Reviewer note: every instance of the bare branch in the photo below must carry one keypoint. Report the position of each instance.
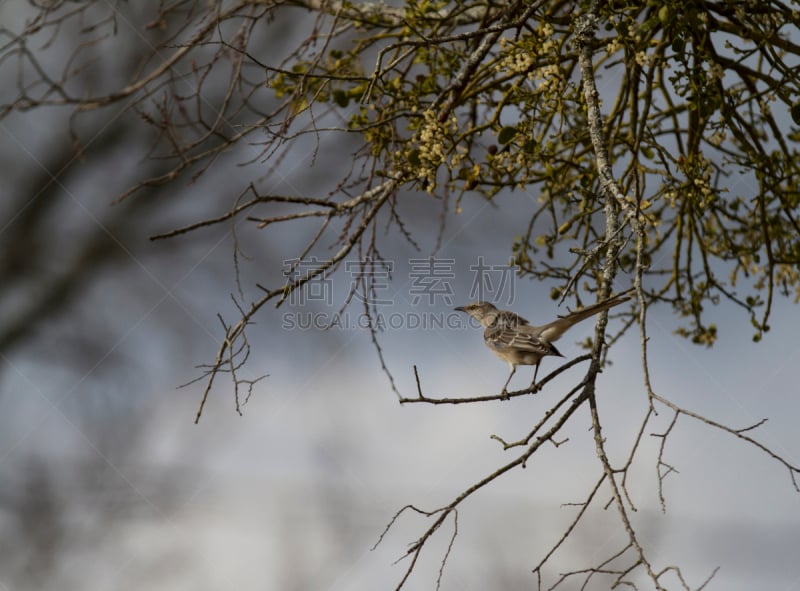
(487, 398)
(235, 334)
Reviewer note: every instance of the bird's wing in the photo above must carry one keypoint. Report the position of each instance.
(523, 339)
(507, 318)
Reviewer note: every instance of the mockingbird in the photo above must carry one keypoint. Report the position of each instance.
(516, 342)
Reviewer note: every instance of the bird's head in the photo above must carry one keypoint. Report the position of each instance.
(483, 312)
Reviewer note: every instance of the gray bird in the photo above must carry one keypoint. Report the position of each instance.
(517, 342)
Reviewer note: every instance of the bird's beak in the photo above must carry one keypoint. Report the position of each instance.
(460, 309)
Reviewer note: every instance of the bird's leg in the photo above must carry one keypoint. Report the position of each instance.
(504, 393)
(534, 388)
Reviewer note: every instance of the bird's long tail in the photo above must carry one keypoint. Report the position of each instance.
(555, 329)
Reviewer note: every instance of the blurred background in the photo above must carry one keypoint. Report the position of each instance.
(106, 482)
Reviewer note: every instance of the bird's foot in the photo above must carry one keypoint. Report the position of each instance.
(534, 387)
(504, 394)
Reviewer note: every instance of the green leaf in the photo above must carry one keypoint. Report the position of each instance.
(506, 135)
(665, 14)
(796, 113)
(340, 98)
